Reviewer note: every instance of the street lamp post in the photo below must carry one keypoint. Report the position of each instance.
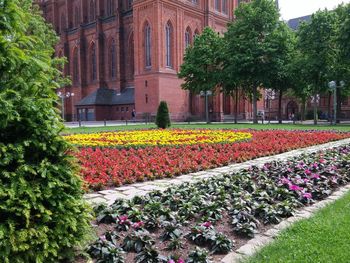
(333, 86)
(269, 95)
(206, 94)
(64, 96)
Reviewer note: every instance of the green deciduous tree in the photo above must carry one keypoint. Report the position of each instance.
(317, 44)
(42, 214)
(201, 67)
(251, 47)
(162, 118)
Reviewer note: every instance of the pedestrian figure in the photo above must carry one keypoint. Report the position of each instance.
(133, 114)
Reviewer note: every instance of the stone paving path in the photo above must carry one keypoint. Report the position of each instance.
(129, 191)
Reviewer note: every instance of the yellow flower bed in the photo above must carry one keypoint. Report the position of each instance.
(157, 137)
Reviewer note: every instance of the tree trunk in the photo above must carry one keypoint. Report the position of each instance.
(329, 106)
(338, 105)
(315, 108)
(236, 106)
(303, 107)
(280, 107)
(255, 105)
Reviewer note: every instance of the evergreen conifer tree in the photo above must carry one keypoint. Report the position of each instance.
(162, 118)
(42, 213)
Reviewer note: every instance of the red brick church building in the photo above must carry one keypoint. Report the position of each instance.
(125, 54)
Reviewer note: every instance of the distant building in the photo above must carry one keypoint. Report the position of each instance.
(124, 55)
(295, 22)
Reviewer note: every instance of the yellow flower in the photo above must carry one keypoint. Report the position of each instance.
(157, 137)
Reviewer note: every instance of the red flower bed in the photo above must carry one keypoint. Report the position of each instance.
(105, 167)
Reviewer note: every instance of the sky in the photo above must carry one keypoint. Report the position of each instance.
(297, 8)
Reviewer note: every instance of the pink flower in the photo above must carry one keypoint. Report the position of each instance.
(180, 260)
(207, 224)
(294, 187)
(289, 169)
(306, 180)
(123, 219)
(171, 261)
(307, 195)
(103, 238)
(307, 171)
(285, 180)
(138, 225)
(315, 176)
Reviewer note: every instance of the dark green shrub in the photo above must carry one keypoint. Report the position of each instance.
(162, 118)
(42, 214)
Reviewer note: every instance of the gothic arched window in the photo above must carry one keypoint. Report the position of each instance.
(148, 62)
(76, 16)
(63, 22)
(110, 7)
(168, 44)
(112, 57)
(188, 37)
(92, 11)
(93, 63)
(75, 66)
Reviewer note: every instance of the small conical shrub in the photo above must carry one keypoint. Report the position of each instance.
(163, 119)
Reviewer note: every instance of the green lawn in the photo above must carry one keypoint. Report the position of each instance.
(322, 239)
(212, 126)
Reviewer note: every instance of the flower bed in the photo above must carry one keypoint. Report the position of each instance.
(171, 137)
(106, 167)
(216, 214)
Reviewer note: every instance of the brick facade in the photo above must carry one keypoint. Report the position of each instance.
(108, 46)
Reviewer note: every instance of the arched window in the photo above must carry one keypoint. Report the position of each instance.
(75, 66)
(217, 5)
(168, 44)
(63, 22)
(112, 57)
(92, 11)
(188, 37)
(93, 63)
(76, 16)
(129, 4)
(196, 33)
(148, 62)
(110, 7)
(224, 6)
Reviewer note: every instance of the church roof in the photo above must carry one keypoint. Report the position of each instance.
(295, 22)
(104, 96)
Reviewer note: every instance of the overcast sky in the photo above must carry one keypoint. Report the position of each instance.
(297, 8)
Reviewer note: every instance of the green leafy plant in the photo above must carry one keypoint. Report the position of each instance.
(175, 243)
(198, 256)
(171, 231)
(148, 255)
(221, 244)
(43, 215)
(106, 251)
(162, 118)
(137, 241)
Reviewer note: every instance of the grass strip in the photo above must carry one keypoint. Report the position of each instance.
(324, 238)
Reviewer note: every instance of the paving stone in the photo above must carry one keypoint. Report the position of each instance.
(113, 197)
(97, 201)
(132, 192)
(232, 258)
(260, 240)
(124, 188)
(89, 196)
(271, 232)
(293, 219)
(107, 192)
(150, 187)
(247, 250)
(283, 225)
(304, 214)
